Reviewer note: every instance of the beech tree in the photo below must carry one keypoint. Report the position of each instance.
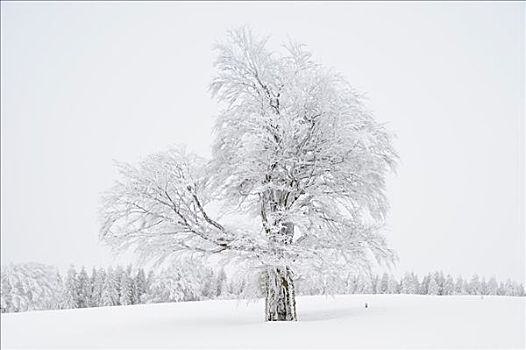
(295, 149)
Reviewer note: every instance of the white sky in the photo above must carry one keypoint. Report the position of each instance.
(85, 83)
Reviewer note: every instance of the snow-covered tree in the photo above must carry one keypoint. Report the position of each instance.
(384, 285)
(83, 291)
(519, 289)
(208, 287)
(393, 286)
(433, 288)
(374, 284)
(220, 282)
(149, 279)
(117, 275)
(295, 149)
(492, 286)
(71, 286)
(99, 278)
(367, 286)
(406, 284)
(449, 286)
(92, 278)
(126, 289)
(110, 293)
(21, 298)
(29, 286)
(460, 286)
(483, 286)
(474, 285)
(425, 284)
(6, 303)
(378, 286)
(501, 290)
(351, 284)
(508, 287)
(174, 285)
(140, 286)
(440, 279)
(60, 292)
(416, 283)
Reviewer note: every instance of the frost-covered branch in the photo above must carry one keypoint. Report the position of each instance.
(296, 146)
(158, 207)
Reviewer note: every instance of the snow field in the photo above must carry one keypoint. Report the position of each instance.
(390, 321)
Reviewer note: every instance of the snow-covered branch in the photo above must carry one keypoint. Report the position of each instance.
(158, 207)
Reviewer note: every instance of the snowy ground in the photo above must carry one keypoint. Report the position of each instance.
(399, 321)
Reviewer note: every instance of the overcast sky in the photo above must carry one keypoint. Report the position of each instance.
(86, 83)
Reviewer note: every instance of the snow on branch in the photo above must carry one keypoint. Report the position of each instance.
(159, 207)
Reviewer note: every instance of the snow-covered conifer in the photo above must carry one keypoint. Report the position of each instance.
(140, 286)
(460, 286)
(433, 288)
(384, 285)
(83, 291)
(424, 286)
(71, 286)
(99, 278)
(407, 285)
(519, 289)
(449, 286)
(416, 283)
(393, 286)
(92, 279)
(493, 286)
(117, 275)
(440, 280)
(60, 292)
(126, 289)
(483, 286)
(474, 285)
(508, 287)
(110, 294)
(6, 304)
(502, 289)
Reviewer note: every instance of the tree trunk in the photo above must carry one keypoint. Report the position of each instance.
(280, 301)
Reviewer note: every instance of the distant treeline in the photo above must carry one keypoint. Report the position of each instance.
(33, 286)
(432, 284)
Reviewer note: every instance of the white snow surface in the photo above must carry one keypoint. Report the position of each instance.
(390, 321)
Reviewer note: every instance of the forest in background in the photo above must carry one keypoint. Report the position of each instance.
(32, 286)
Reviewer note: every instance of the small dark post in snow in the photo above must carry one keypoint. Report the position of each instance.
(366, 305)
